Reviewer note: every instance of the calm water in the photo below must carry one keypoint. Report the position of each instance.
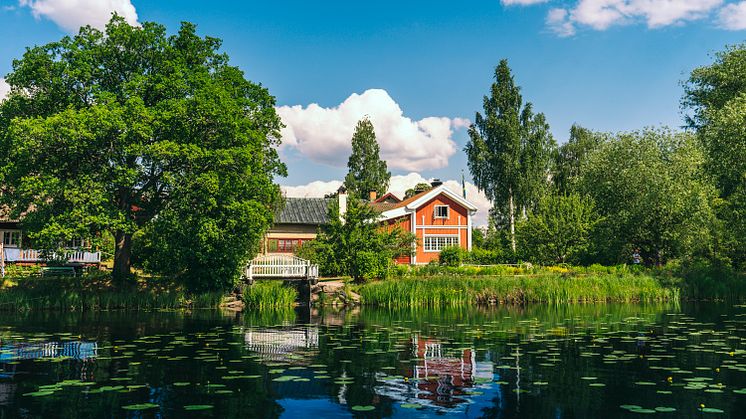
(537, 362)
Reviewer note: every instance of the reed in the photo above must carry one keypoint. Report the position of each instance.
(87, 294)
(269, 295)
(550, 289)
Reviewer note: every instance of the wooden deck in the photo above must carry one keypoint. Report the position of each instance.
(281, 266)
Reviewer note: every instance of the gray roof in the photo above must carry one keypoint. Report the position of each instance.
(304, 211)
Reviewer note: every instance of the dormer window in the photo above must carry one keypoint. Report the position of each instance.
(441, 211)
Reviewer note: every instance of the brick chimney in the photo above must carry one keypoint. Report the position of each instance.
(372, 195)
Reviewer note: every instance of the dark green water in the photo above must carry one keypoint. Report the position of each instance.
(582, 361)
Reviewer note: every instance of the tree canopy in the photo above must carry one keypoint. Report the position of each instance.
(145, 136)
(509, 148)
(366, 171)
(716, 96)
(650, 190)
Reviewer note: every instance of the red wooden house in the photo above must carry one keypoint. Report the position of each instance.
(438, 217)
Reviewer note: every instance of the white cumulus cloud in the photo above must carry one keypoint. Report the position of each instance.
(72, 14)
(559, 22)
(603, 14)
(521, 2)
(398, 186)
(324, 134)
(733, 16)
(4, 89)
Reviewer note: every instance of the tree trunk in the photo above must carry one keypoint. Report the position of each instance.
(122, 256)
(511, 208)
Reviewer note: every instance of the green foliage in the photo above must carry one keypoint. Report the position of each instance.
(510, 147)
(420, 187)
(451, 256)
(132, 131)
(366, 171)
(716, 94)
(356, 245)
(571, 155)
(558, 229)
(651, 192)
(269, 295)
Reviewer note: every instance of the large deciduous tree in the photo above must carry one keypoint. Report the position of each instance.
(134, 132)
(510, 148)
(716, 96)
(366, 171)
(653, 195)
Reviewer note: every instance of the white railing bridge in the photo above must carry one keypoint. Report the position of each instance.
(281, 266)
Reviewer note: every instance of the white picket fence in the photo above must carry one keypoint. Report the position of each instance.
(36, 256)
(279, 266)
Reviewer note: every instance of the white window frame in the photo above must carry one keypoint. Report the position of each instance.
(10, 233)
(455, 240)
(448, 212)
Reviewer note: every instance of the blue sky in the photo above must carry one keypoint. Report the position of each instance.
(420, 68)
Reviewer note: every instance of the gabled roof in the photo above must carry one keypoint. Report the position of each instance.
(389, 197)
(304, 211)
(416, 201)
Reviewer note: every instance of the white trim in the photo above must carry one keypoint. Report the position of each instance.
(468, 233)
(427, 197)
(442, 227)
(413, 223)
(432, 193)
(424, 237)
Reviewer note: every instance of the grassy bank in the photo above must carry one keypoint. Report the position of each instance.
(552, 289)
(96, 292)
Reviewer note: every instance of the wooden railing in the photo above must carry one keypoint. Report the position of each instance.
(277, 266)
(37, 256)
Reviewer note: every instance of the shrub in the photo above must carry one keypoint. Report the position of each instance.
(451, 256)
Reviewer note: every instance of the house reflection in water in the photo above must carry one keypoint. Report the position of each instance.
(439, 377)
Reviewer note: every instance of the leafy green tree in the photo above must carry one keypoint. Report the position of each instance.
(558, 229)
(355, 245)
(571, 155)
(509, 151)
(140, 134)
(420, 187)
(653, 195)
(366, 171)
(716, 96)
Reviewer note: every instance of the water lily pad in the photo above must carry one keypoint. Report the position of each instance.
(140, 406)
(198, 406)
(41, 393)
(411, 406)
(359, 408)
(665, 409)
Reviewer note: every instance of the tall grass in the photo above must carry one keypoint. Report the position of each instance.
(24, 299)
(269, 295)
(555, 289)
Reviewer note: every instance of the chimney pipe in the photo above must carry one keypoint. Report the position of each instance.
(342, 201)
(372, 195)
(435, 183)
